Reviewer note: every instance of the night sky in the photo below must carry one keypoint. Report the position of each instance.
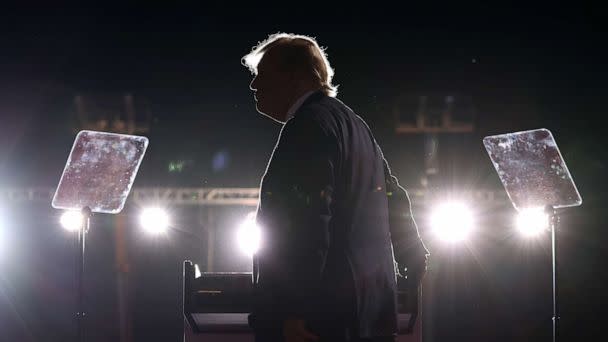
(522, 68)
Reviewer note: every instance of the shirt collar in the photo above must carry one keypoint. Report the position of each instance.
(296, 105)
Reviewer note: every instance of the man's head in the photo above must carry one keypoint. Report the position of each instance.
(285, 67)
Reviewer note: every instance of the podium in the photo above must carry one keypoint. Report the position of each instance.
(217, 305)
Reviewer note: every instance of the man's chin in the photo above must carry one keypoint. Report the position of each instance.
(270, 116)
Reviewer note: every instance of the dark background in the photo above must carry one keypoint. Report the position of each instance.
(522, 67)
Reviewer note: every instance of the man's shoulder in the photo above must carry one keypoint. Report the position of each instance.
(322, 102)
(326, 111)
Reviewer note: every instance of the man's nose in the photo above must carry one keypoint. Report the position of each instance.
(252, 85)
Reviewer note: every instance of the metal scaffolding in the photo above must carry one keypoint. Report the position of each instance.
(224, 196)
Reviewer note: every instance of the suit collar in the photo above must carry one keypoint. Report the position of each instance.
(314, 97)
(308, 98)
(299, 102)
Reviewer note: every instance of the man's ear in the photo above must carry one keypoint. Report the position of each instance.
(293, 75)
(298, 78)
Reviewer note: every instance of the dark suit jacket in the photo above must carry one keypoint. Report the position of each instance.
(326, 252)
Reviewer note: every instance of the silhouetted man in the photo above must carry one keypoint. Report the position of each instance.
(325, 270)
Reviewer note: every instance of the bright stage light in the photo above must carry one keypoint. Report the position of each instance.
(532, 221)
(154, 220)
(1, 233)
(3, 243)
(72, 220)
(248, 235)
(452, 222)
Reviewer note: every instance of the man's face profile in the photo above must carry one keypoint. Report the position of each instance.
(272, 88)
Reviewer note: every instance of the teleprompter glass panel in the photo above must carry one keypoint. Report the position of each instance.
(100, 171)
(532, 170)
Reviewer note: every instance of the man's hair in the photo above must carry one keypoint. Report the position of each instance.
(295, 52)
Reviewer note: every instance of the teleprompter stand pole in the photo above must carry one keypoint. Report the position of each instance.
(80, 314)
(553, 224)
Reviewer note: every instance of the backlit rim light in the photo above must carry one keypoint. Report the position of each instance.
(452, 221)
(154, 220)
(71, 220)
(532, 221)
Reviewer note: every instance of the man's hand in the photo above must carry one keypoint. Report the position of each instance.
(294, 330)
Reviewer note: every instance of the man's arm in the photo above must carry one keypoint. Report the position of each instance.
(410, 252)
(301, 183)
